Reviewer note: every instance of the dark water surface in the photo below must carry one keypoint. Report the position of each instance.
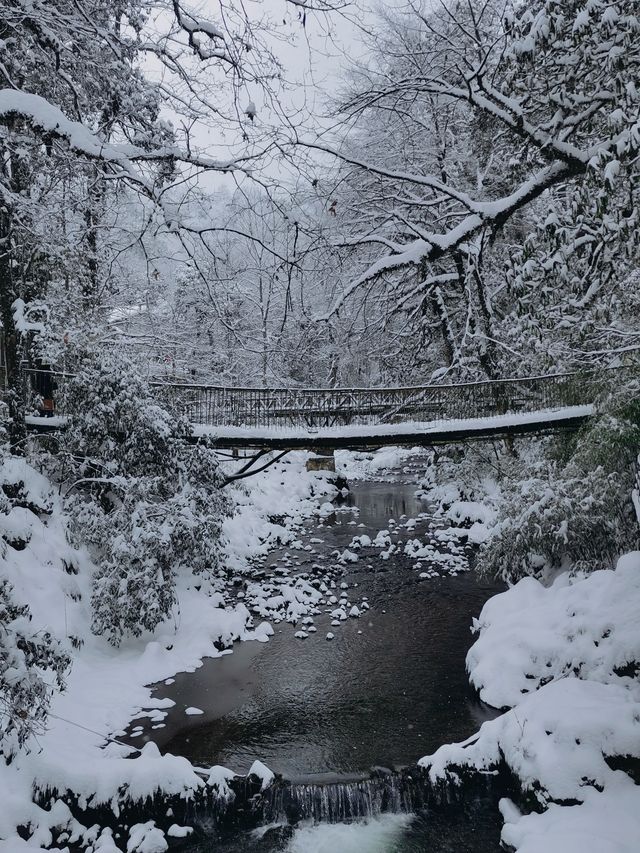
(390, 688)
(386, 696)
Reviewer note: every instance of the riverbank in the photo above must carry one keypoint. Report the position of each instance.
(564, 659)
(80, 753)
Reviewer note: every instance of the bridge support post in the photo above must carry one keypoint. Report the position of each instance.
(321, 460)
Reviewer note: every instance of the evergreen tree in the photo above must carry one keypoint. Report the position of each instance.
(147, 502)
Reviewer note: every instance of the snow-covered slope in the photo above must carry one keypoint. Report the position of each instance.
(565, 659)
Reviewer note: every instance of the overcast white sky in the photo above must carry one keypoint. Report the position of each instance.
(313, 57)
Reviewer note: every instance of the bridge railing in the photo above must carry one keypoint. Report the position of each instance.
(311, 408)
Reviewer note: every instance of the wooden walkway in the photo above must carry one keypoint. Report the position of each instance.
(411, 434)
(374, 417)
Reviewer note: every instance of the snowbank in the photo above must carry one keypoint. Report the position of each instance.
(531, 634)
(356, 465)
(565, 660)
(555, 741)
(607, 822)
(271, 506)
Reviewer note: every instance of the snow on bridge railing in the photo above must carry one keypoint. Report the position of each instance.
(312, 408)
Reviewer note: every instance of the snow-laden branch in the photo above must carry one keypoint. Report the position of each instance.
(507, 110)
(51, 121)
(320, 5)
(429, 181)
(434, 246)
(214, 47)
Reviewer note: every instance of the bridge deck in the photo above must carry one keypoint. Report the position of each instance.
(412, 433)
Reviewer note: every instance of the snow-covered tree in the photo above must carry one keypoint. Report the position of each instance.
(83, 87)
(146, 501)
(32, 662)
(471, 128)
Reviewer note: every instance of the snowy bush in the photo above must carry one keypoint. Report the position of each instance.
(569, 519)
(464, 473)
(577, 512)
(29, 660)
(613, 439)
(564, 659)
(147, 502)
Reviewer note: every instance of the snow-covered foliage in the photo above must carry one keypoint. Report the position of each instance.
(565, 519)
(572, 509)
(147, 502)
(32, 661)
(479, 141)
(27, 657)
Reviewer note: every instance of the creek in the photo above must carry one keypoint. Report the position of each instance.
(389, 688)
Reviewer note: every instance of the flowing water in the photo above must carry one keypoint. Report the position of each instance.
(389, 688)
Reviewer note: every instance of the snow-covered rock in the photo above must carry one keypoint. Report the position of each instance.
(146, 838)
(263, 773)
(348, 556)
(555, 741)
(176, 831)
(532, 634)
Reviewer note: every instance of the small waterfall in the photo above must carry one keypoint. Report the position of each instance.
(344, 801)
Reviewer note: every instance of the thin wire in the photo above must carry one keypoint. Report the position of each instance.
(93, 731)
(199, 771)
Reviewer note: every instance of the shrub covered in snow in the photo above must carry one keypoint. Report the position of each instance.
(148, 503)
(576, 511)
(459, 473)
(568, 519)
(28, 661)
(31, 661)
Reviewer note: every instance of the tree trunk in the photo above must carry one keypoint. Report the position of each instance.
(14, 344)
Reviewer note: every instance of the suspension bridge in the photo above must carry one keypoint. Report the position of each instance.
(329, 418)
